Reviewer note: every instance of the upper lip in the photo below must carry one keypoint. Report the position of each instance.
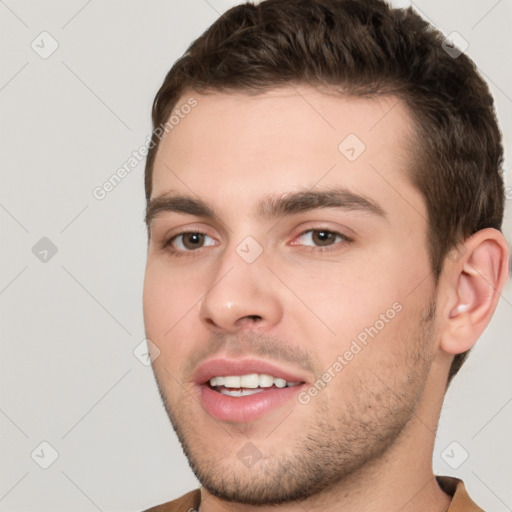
(224, 367)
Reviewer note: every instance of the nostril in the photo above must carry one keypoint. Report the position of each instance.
(254, 318)
(209, 321)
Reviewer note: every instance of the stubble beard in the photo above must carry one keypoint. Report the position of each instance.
(332, 445)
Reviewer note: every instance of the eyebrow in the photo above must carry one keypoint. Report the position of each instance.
(178, 204)
(299, 202)
(270, 207)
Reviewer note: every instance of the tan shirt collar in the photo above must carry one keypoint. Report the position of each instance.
(461, 502)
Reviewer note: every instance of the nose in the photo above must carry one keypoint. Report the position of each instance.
(241, 295)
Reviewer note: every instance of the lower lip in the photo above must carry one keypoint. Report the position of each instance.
(245, 409)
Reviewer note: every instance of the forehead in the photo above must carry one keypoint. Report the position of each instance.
(290, 138)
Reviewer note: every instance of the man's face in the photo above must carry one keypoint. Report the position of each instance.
(287, 248)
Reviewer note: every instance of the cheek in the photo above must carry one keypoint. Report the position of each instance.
(168, 304)
(167, 299)
(369, 360)
(362, 308)
(345, 299)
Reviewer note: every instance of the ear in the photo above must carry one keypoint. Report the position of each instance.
(474, 280)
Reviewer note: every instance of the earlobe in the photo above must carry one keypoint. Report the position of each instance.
(476, 281)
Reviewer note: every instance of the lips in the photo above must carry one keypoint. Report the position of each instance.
(238, 407)
(224, 367)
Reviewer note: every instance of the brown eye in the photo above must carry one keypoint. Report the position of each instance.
(323, 238)
(189, 242)
(320, 238)
(192, 241)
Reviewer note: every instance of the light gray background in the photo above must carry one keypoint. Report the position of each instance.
(69, 326)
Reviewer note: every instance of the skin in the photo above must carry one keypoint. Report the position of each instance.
(366, 439)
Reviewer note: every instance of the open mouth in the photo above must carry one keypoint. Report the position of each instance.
(246, 390)
(246, 385)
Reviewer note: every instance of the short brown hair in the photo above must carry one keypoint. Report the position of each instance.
(365, 48)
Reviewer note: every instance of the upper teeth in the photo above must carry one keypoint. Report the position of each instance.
(252, 380)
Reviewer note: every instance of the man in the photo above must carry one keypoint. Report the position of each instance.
(324, 211)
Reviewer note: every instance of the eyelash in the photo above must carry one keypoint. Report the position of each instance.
(167, 244)
(318, 248)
